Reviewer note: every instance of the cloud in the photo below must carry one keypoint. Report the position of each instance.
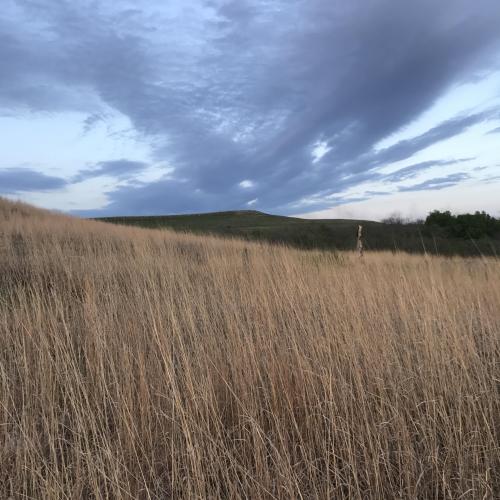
(15, 180)
(414, 170)
(405, 149)
(91, 121)
(376, 193)
(246, 184)
(165, 196)
(120, 169)
(437, 183)
(495, 131)
(410, 171)
(225, 91)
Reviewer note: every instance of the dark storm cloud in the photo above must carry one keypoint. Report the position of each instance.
(437, 183)
(235, 90)
(15, 180)
(120, 169)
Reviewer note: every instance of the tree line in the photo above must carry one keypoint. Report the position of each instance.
(476, 225)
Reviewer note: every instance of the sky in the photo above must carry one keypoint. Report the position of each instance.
(317, 108)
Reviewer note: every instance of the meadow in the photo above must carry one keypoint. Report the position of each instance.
(151, 364)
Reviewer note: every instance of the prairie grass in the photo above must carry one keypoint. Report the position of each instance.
(147, 364)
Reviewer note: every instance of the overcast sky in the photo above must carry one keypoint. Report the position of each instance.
(358, 108)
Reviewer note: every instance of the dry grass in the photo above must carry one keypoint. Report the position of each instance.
(143, 364)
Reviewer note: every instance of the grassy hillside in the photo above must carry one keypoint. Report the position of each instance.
(139, 364)
(339, 234)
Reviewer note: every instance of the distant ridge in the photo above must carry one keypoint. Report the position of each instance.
(333, 234)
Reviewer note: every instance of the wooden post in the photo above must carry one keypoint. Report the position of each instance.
(360, 240)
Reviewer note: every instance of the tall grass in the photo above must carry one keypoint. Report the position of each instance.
(148, 364)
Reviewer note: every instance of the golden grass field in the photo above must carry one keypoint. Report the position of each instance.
(150, 364)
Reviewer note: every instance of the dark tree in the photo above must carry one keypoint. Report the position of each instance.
(475, 226)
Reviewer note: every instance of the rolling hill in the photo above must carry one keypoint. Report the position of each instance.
(334, 234)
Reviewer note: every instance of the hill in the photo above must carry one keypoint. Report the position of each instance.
(333, 234)
(252, 224)
(148, 364)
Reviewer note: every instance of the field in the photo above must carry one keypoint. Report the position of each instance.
(321, 234)
(151, 364)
